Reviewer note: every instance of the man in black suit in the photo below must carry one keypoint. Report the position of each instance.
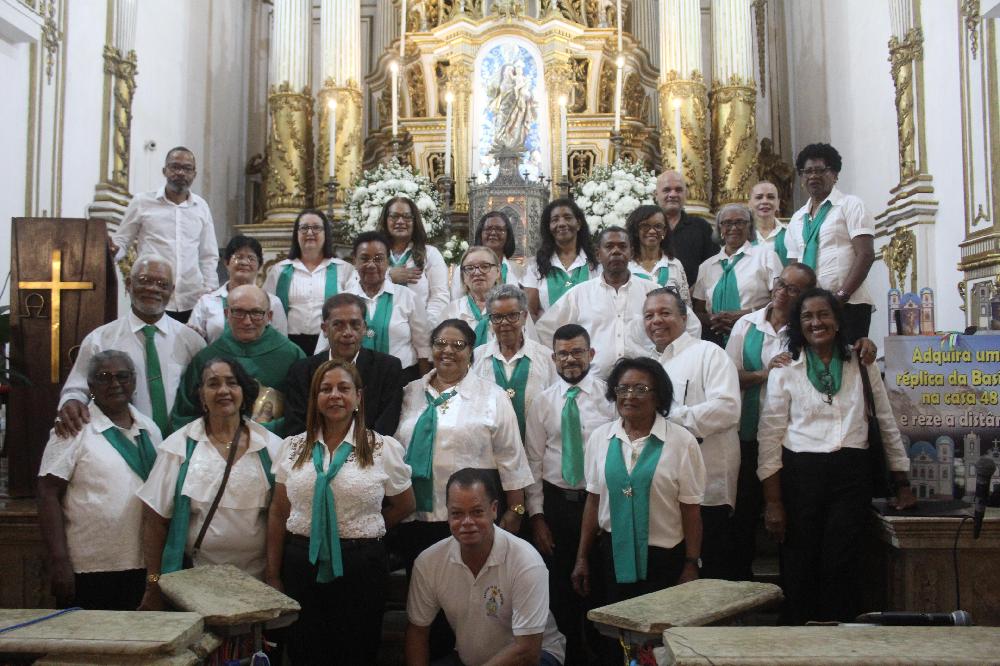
(345, 329)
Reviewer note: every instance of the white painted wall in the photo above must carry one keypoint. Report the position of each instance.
(13, 146)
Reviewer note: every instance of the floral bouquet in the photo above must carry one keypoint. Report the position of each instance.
(453, 249)
(384, 182)
(613, 192)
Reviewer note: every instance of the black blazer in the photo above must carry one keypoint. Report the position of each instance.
(382, 375)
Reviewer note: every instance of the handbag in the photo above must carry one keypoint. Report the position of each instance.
(876, 448)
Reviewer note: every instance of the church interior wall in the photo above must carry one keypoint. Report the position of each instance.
(14, 120)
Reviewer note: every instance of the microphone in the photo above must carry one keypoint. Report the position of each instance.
(957, 618)
(984, 472)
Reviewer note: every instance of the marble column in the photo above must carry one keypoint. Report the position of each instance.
(734, 100)
(460, 85)
(644, 25)
(288, 187)
(681, 79)
(340, 48)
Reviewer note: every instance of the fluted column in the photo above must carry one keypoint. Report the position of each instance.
(289, 144)
(905, 51)
(644, 24)
(734, 100)
(558, 80)
(460, 85)
(340, 48)
(681, 79)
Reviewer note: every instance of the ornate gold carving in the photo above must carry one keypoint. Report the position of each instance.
(962, 293)
(606, 87)
(289, 177)
(460, 84)
(634, 101)
(441, 84)
(903, 56)
(509, 9)
(51, 36)
(760, 22)
(581, 163)
(124, 93)
(422, 15)
(558, 81)
(694, 140)
(970, 13)
(578, 89)
(900, 255)
(772, 168)
(734, 142)
(416, 90)
(349, 148)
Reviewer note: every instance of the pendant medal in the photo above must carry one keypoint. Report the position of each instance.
(370, 333)
(627, 491)
(511, 393)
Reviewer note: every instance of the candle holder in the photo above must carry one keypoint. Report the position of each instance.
(444, 185)
(617, 141)
(396, 144)
(563, 186)
(331, 198)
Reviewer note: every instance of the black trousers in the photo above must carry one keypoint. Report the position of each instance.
(306, 342)
(663, 568)
(746, 517)
(717, 542)
(857, 320)
(826, 498)
(340, 621)
(180, 315)
(109, 590)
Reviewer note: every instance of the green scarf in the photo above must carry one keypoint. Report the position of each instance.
(779, 247)
(662, 275)
(396, 263)
(503, 271)
(753, 345)
(324, 536)
(572, 439)
(810, 234)
(726, 295)
(285, 283)
(515, 387)
(139, 456)
(482, 322)
(559, 281)
(824, 378)
(377, 335)
(177, 534)
(420, 452)
(628, 497)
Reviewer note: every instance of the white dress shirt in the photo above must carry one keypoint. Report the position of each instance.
(176, 345)
(209, 318)
(679, 476)
(543, 432)
(540, 375)
(612, 317)
(409, 333)
(676, 277)
(238, 530)
(102, 515)
(809, 424)
(477, 429)
(707, 402)
(775, 342)
(357, 491)
(772, 237)
(307, 292)
(532, 279)
(173, 231)
(846, 220)
(755, 273)
(514, 273)
(459, 309)
(432, 288)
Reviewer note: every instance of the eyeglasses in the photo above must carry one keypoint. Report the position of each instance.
(791, 290)
(731, 224)
(146, 281)
(183, 168)
(502, 229)
(658, 228)
(575, 354)
(624, 390)
(255, 315)
(456, 345)
(245, 259)
(470, 269)
(310, 229)
(377, 259)
(400, 216)
(814, 171)
(508, 318)
(121, 377)
(344, 324)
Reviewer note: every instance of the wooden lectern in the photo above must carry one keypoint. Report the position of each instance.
(63, 286)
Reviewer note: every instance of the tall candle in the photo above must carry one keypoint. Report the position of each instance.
(619, 70)
(394, 68)
(619, 16)
(677, 133)
(564, 162)
(333, 139)
(449, 99)
(402, 29)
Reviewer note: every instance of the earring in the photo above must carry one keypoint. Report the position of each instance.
(92, 396)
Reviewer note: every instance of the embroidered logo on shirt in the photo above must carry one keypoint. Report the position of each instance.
(494, 600)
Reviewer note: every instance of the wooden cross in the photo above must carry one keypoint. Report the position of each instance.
(57, 286)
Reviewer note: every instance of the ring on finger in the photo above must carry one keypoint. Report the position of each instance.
(58, 419)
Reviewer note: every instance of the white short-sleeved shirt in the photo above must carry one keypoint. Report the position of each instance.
(755, 273)
(102, 515)
(357, 491)
(509, 597)
(543, 432)
(772, 237)
(806, 423)
(679, 476)
(209, 318)
(239, 528)
(676, 277)
(532, 279)
(307, 292)
(540, 375)
(514, 273)
(477, 429)
(846, 220)
(432, 288)
(775, 342)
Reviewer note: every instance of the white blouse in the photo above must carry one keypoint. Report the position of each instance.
(307, 292)
(540, 375)
(775, 342)
(238, 530)
(102, 516)
(432, 287)
(357, 491)
(532, 279)
(209, 318)
(477, 427)
(676, 277)
(514, 273)
(755, 274)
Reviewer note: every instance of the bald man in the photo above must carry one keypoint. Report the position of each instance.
(690, 235)
(251, 341)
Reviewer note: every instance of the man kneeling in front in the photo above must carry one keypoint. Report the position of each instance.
(492, 586)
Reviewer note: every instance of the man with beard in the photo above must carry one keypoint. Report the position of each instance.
(560, 422)
(691, 236)
(159, 347)
(175, 223)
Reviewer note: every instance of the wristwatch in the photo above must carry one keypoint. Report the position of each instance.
(153, 578)
(696, 561)
(518, 509)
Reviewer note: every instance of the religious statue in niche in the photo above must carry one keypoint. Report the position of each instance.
(513, 106)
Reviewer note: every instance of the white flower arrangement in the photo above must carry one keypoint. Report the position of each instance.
(453, 249)
(384, 182)
(613, 192)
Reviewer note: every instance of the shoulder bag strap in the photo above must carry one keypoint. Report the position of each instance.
(218, 495)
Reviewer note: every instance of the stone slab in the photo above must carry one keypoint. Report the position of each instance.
(225, 595)
(99, 632)
(838, 645)
(183, 658)
(694, 604)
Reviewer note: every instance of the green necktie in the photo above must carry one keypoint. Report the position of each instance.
(516, 386)
(482, 322)
(753, 345)
(377, 335)
(779, 247)
(824, 378)
(139, 456)
(420, 452)
(628, 498)
(324, 536)
(572, 439)
(663, 275)
(154, 380)
(810, 234)
(726, 295)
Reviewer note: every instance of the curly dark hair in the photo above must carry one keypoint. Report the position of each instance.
(662, 386)
(819, 151)
(640, 215)
(543, 258)
(369, 237)
(509, 245)
(247, 383)
(296, 251)
(797, 339)
(419, 237)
